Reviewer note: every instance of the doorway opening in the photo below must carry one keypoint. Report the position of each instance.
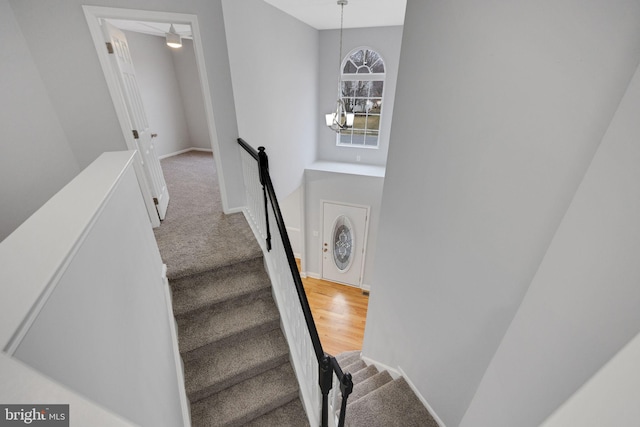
(148, 167)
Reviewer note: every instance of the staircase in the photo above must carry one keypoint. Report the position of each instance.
(236, 359)
(378, 400)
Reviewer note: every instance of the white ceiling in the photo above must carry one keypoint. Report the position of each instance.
(153, 28)
(325, 14)
(320, 14)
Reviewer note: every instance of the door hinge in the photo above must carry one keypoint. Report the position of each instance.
(155, 200)
(135, 134)
(109, 48)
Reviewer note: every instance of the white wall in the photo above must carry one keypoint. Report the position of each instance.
(21, 383)
(610, 397)
(35, 157)
(76, 85)
(499, 110)
(104, 327)
(292, 207)
(387, 42)
(582, 305)
(160, 91)
(184, 62)
(274, 64)
(344, 188)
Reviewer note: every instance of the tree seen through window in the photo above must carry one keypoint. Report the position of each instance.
(361, 90)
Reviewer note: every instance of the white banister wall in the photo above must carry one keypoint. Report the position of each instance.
(86, 302)
(301, 350)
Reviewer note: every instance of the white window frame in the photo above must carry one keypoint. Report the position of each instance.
(361, 77)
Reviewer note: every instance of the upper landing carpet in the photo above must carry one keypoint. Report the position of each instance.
(196, 235)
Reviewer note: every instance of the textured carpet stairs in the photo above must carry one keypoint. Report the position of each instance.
(236, 359)
(378, 400)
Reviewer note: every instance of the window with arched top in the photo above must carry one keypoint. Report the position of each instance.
(361, 90)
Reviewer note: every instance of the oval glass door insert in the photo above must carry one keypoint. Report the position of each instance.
(343, 242)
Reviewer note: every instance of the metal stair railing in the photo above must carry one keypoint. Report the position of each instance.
(258, 213)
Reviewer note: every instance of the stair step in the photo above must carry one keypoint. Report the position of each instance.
(245, 401)
(348, 357)
(290, 415)
(234, 363)
(392, 404)
(359, 377)
(224, 285)
(361, 389)
(363, 374)
(204, 331)
(354, 367)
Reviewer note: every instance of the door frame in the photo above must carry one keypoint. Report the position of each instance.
(93, 15)
(364, 242)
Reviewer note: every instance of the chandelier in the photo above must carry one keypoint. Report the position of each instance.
(340, 119)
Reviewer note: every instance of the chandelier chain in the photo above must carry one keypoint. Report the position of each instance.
(341, 22)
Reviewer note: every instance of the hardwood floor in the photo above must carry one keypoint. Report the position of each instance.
(340, 313)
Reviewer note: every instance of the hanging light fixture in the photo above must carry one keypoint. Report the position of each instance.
(340, 119)
(173, 39)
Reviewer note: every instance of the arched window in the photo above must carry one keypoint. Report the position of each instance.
(361, 89)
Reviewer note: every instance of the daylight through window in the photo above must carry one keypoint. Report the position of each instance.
(361, 89)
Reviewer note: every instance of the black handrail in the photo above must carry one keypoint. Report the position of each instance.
(327, 364)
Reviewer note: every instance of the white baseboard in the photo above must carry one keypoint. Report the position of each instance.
(421, 397)
(179, 366)
(365, 287)
(235, 210)
(314, 275)
(186, 150)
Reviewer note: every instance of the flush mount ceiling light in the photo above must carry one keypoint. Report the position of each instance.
(340, 119)
(173, 39)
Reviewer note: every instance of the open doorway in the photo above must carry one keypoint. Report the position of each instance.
(148, 166)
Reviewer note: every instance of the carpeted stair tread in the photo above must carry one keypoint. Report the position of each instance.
(206, 330)
(393, 404)
(290, 415)
(362, 388)
(354, 367)
(363, 374)
(348, 357)
(234, 363)
(245, 401)
(224, 285)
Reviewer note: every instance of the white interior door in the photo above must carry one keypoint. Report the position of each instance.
(344, 233)
(123, 67)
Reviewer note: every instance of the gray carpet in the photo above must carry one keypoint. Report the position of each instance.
(196, 235)
(378, 400)
(236, 359)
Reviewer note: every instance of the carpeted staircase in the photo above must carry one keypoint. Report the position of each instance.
(235, 356)
(236, 359)
(378, 400)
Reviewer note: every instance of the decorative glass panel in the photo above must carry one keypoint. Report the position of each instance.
(342, 243)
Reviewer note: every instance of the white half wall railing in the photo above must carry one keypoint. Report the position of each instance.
(86, 309)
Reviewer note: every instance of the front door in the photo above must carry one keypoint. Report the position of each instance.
(123, 67)
(344, 238)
